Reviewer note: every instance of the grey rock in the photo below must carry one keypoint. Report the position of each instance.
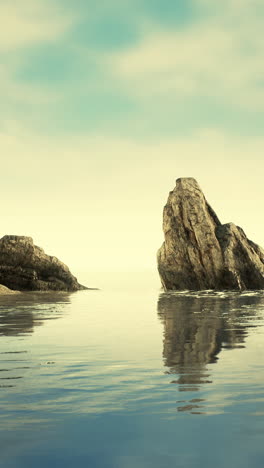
(24, 266)
(201, 253)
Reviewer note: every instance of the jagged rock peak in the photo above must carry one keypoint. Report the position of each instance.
(201, 253)
(25, 266)
(12, 237)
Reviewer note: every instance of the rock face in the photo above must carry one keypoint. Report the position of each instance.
(201, 253)
(24, 266)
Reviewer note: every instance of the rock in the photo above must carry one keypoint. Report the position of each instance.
(24, 266)
(201, 253)
(4, 290)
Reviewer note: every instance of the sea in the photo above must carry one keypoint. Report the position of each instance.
(129, 376)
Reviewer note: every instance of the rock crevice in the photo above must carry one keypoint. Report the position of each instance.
(201, 253)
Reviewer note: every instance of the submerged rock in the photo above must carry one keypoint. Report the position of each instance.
(201, 253)
(24, 266)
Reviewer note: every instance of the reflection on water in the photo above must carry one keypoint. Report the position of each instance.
(197, 326)
(90, 389)
(28, 310)
(18, 317)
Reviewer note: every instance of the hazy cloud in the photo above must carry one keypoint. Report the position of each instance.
(210, 57)
(31, 21)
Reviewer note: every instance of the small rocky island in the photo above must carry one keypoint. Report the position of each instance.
(26, 267)
(201, 253)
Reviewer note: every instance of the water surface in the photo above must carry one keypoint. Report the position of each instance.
(130, 377)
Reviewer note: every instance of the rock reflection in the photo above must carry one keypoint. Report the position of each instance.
(19, 315)
(198, 326)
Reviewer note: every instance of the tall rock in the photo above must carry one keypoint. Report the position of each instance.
(201, 253)
(24, 266)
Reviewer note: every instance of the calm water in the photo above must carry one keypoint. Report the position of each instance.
(129, 377)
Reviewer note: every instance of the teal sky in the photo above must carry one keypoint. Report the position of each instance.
(104, 106)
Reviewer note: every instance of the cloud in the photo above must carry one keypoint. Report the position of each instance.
(171, 79)
(211, 56)
(30, 22)
(27, 24)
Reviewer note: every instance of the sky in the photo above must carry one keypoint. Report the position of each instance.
(104, 105)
